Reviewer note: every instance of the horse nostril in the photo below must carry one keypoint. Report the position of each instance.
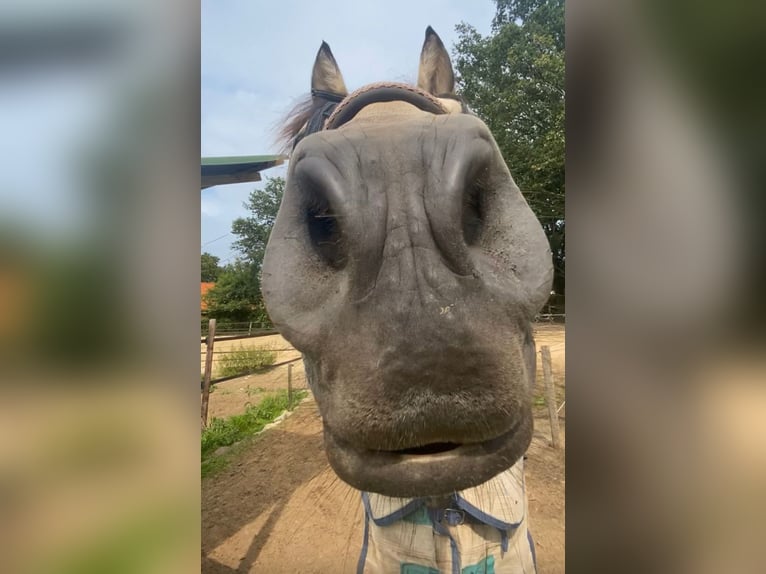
(474, 206)
(324, 230)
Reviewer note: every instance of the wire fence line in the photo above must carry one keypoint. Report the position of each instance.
(275, 373)
(239, 333)
(237, 350)
(220, 355)
(551, 318)
(285, 376)
(255, 329)
(234, 326)
(283, 370)
(226, 364)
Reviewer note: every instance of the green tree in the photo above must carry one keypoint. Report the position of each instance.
(253, 231)
(210, 268)
(236, 296)
(514, 80)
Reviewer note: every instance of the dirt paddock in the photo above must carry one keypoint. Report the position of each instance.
(279, 508)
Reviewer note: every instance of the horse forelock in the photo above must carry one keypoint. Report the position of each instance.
(296, 119)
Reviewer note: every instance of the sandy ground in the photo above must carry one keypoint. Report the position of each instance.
(233, 396)
(279, 508)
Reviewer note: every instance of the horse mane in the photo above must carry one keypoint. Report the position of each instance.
(295, 119)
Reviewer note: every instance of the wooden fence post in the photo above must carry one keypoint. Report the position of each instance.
(289, 385)
(550, 395)
(208, 370)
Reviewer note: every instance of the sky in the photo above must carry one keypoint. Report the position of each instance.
(256, 64)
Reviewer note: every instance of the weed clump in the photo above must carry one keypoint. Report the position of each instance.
(244, 362)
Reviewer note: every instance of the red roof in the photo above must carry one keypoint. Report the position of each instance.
(204, 288)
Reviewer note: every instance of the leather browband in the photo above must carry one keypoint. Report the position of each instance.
(338, 110)
(375, 93)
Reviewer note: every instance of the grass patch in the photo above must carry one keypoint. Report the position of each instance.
(244, 362)
(540, 399)
(226, 432)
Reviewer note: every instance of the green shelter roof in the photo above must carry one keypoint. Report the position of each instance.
(236, 169)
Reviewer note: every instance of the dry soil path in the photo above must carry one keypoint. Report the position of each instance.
(278, 507)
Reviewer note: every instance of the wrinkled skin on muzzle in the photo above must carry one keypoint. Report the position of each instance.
(406, 266)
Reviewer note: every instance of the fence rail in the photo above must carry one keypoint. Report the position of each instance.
(551, 318)
(219, 354)
(246, 330)
(234, 336)
(294, 379)
(265, 370)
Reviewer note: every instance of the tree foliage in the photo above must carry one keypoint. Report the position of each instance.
(514, 80)
(236, 296)
(209, 268)
(253, 231)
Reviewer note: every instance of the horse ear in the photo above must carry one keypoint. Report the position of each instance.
(435, 74)
(326, 76)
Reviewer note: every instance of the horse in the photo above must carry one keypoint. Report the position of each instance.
(407, 267)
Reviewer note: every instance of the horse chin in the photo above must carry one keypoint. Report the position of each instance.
(429, 470)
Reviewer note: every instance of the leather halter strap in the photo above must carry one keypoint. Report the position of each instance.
(382, 92)
(338, 110)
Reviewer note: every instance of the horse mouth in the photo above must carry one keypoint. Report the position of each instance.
(427, 470)
(433, 448)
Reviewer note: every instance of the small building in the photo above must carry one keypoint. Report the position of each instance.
(204, 287)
